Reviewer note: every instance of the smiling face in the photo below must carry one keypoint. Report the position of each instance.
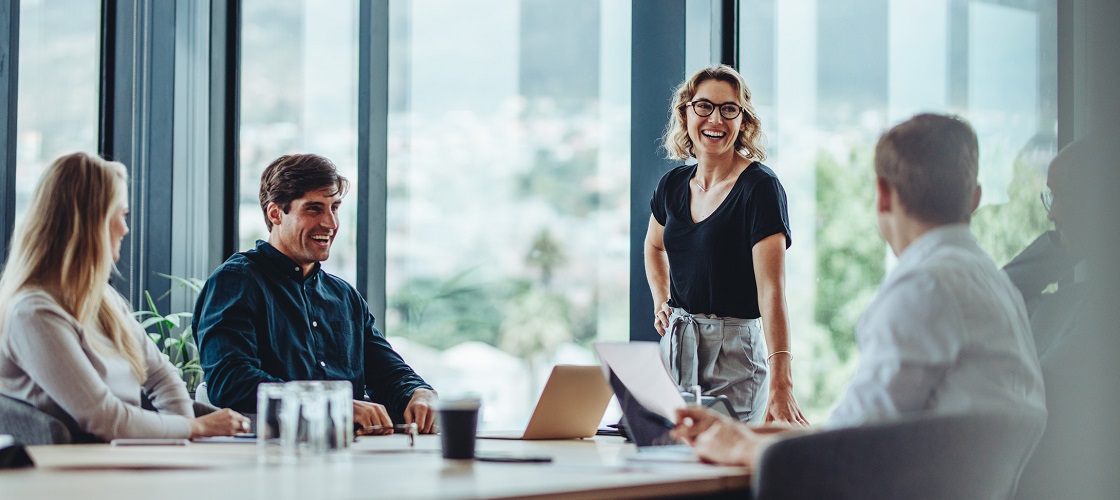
(713, 135)
(305, 233)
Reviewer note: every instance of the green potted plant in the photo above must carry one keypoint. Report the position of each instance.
(172, 333)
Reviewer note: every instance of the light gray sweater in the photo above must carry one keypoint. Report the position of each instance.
(61, 367)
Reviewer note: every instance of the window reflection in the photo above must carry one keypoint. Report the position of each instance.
(508, 209)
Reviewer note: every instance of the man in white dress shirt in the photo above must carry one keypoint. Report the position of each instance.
(947, 332)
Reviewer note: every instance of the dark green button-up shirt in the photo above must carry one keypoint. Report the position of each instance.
(258, 319)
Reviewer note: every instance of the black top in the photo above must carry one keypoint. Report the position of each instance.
(711, 270)
(259, 320)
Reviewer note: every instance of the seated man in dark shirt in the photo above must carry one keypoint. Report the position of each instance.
(1075, 325)
(271, 314)
(1052, 271)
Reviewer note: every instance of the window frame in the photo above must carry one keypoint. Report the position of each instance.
(658, 60)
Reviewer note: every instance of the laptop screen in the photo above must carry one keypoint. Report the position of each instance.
(646, 428)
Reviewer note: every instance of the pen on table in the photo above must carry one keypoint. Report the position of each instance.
(411, 430)
(395, 427)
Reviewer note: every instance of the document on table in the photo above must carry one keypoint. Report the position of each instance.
(639, 367)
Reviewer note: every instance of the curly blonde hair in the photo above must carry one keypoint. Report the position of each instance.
(676, 142)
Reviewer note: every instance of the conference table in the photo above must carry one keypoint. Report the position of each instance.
(376, 467)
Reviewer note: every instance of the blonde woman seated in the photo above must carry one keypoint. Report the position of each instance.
(68, 344)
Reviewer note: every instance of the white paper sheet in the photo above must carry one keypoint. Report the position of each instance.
(638, 365)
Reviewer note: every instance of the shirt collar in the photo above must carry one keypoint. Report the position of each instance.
(284, 264)
(952, 234)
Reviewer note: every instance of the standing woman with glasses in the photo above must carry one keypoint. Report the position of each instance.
(715, 253)
(68, 344)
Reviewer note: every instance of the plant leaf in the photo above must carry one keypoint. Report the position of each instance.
(194, 284)
(151, 321)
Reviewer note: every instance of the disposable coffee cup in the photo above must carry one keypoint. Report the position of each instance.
(458, 423)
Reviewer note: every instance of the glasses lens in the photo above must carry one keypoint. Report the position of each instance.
(729, 111)
(703, 108)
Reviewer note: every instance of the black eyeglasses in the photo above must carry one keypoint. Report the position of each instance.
(1047, 201)
(705, 108)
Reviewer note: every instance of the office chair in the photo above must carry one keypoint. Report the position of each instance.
(30, 425)
(961, 456)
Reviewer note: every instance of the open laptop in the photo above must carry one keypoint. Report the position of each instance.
(570, 407)
(636, 373)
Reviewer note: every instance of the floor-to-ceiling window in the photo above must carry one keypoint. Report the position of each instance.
(508, 205)
(299, 85)
(829, 77)
(59, 65)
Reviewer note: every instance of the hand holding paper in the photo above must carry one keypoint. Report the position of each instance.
(639, 367)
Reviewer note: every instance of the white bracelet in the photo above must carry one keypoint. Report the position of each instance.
(776, 353)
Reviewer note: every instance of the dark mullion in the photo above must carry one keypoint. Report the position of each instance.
(729, 33)
(9, 94)
(106, 101)
(657, 67)
(225, 117)
(373, 112)
(137, 129)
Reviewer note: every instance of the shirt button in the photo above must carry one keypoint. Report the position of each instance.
(315, 323)
(296, 268)
(323, 364)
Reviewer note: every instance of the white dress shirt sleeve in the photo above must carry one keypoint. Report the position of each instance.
(906, 344)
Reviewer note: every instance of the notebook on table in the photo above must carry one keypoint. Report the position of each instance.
(570, 407)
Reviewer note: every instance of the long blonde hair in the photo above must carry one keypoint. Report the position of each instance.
(63, 247)
(748, 142)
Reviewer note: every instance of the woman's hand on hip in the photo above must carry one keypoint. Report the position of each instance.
(661, 318)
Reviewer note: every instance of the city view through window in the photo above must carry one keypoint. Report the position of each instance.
(509, 161)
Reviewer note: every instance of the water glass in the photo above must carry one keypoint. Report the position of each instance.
(340, 415)
(270, 400)
(304, 420)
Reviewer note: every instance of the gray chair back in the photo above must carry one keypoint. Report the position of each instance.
(976, 456)
(30, 425)
(201, 408)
